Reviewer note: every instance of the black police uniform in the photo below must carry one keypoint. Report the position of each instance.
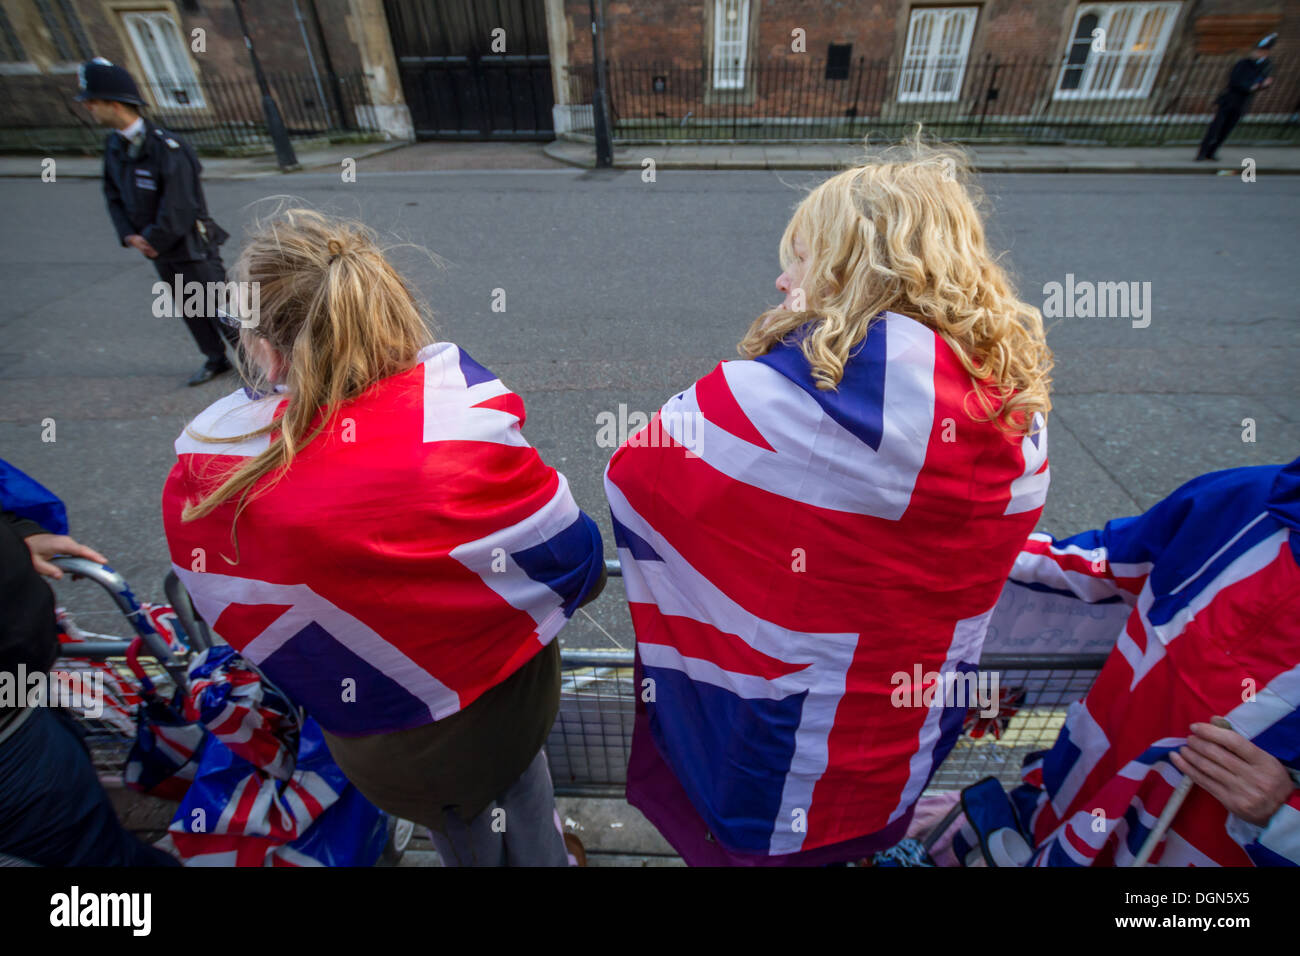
(153, 190)
(1232, 102)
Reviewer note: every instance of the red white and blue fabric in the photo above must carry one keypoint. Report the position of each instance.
(120, 696)
(161, 761)
(235, 814)
(419, 548)
(1010, 700)
(261, 788)
(251, 718)
(785, 551)
(1212, 576)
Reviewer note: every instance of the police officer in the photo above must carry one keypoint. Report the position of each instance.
(1249, 75)
(155, 199)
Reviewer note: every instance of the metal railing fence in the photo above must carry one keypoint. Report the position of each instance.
(38, 110)
(1115, 102)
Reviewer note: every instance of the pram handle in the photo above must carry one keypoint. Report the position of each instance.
(117, 588)
(195, 627)
(96, 650)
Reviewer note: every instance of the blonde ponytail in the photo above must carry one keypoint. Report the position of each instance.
(341, 319)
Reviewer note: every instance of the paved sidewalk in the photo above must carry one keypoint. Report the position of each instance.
(612, 832)
(28, 165)
(986, 159)
(445, 155)
(395, 157)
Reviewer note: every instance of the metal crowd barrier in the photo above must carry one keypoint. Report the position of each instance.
(589, 745)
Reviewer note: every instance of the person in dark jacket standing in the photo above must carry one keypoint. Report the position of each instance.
(155, 199)
(1250, 75)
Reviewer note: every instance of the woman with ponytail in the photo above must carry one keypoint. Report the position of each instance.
(367, 524)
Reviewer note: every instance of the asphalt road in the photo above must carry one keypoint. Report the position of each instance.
(623, 292)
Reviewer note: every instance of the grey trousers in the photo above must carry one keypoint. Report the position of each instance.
(519, 828)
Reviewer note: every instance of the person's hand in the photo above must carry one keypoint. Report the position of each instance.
(1250, 782)
(141, 243)
(45, 546)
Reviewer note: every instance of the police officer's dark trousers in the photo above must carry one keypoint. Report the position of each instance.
(209, 332)
(1224, 120)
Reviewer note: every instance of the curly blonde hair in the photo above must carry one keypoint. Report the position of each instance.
(903, 233)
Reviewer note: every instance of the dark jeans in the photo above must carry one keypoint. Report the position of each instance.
(209, 332)
(1224, 120)
(53, 809)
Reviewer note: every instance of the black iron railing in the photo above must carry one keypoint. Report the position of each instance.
(37, 110)
(1121, 101)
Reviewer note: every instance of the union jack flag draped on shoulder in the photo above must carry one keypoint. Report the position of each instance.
(417, 552)
(787, 551)
(1212, 579)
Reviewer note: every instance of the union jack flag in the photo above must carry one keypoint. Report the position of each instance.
(236, 814)
(1010, 700)
(417, 552)
(261, 788)
(1211, 576)
(121, 698)
(786, 551)
(253, 720)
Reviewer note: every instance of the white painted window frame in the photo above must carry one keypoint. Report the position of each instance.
(730, 45)
(1102, 71)
(169, 42)
(928, 64)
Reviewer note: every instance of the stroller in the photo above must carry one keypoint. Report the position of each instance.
(255, 783)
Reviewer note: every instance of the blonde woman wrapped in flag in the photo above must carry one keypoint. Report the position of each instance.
(840, 515)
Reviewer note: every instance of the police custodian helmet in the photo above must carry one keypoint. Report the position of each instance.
(98, 79)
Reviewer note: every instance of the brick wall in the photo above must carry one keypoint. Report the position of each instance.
(1028, 37)
(677, 31)
(1234, 26)
(671, 31)
(39, 91)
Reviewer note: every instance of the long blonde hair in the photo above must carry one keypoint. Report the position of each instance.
(341, 319)
(903, 233)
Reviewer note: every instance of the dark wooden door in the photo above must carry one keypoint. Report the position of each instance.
(474, 69)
